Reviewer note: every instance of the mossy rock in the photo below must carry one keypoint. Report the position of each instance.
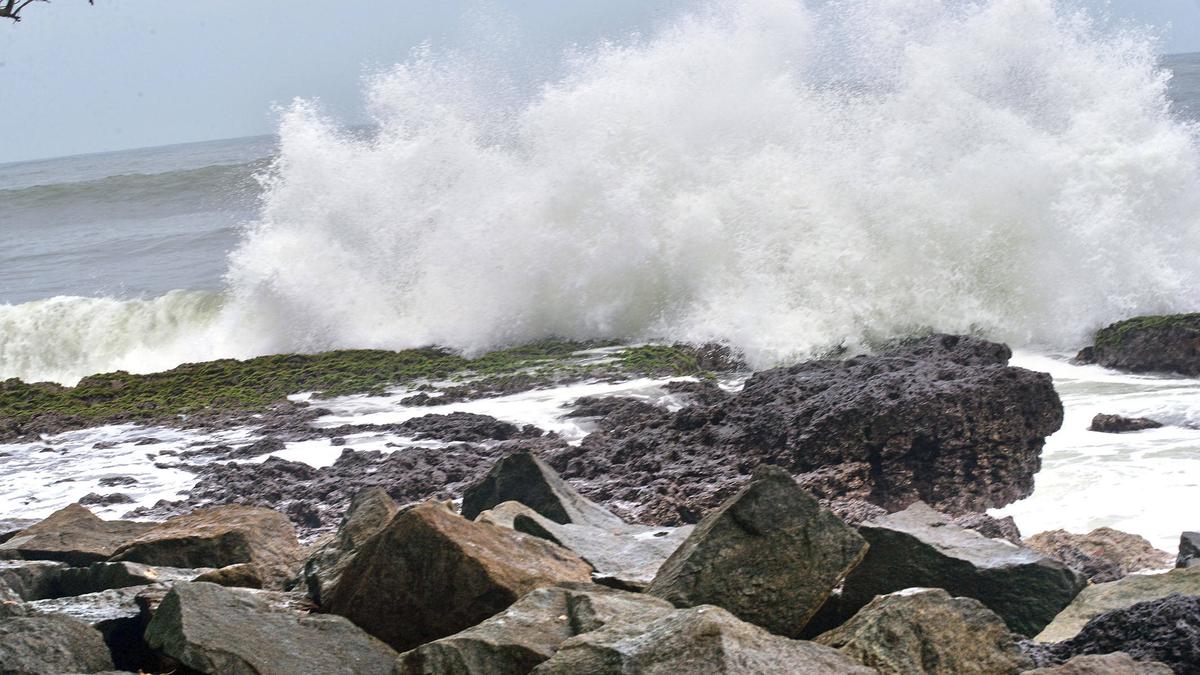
(1151, 344)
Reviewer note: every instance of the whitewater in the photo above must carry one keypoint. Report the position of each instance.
(782, 176)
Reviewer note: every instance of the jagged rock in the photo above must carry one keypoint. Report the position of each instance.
(11, 526)
(73, 535)
(117, 616)
(627, 560)
(1100, 598)
(919, 547)
(431, 573)
(218, 537)
(703, 639)
(370, 511)
(923, 630)
(1165, 630)
(943, 419)
(103, 576)
(771, 555)
(1189, 550)
(1151, 344)
(241, 575)
(524, 478)
(30, 579)
(1117, 663)
(1115, 424)
(214, 629)
(50, 645)
(1102, 555)
(530, 631)
(992, 528)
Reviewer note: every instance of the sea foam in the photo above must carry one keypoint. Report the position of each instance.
(781, 175)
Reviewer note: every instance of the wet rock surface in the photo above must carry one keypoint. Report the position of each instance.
(1150, 344)
(919, 547)
(51, 645)
(928, 631)
(1121, 594)
(1115, 424)
(1103, 554)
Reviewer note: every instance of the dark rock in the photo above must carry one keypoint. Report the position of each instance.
(703, 639)
(431, 573)
(214, 629)
(927, 631)
(529, 632)
(1102, 555)
(1189, 550)
(51, 645)
(628, 560)
(30, 579)
(943, 420)
(1121, 594)
(218, 537)
(1151, 344)
(919, 547)
(992, 528)
(1117, 663)
(114, 481)
(74, 536)
(771, 555)
(370, 511)
(524, 478)
(94, 499)
(1166, 630)
(116, 615)
(104, 576)
(11, 526)
(1085, 357)
(1115, 424)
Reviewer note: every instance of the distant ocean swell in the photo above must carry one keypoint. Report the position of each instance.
(782, 177)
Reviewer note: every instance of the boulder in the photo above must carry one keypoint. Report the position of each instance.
(431, 573)
(771, 555)
(524, 478)
(241, 575)
(1151, 344)
(627, 560)
(213, 629)
(218, 537)
(992, 528)
(103, 576)
(1117, 663)
(923, 630)
(704, 639)
(1100, 598)
(11, 526)
(1189, 550)
(117, 615)
(370, 511)
(942, 419)
(30, 579)
(73, 535)
(1115, 424)
(50, 645)
(919, 547)
(530, 631)
(1102, 555)
(1166, 630)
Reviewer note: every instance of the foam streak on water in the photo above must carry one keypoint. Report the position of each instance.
(782, 176)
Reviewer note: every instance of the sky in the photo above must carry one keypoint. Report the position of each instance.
(136, 73)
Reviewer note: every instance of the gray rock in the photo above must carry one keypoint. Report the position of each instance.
(431, 573)
(703, 640)
(73, 535)
(771, 555)
(103, 576)
(530, 631)
(1101, 598)
(31, 579)
(11, 526)
(919, 547)
(119, 618)
(524, 478)
(1189, 550)
(50, 645)
(927, 631)
(1117, 663)
(628, 560)
(1151, 344)
(214, 629)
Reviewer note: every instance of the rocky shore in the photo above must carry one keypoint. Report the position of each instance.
(828, 517)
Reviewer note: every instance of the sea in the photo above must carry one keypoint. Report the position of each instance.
(782, 176)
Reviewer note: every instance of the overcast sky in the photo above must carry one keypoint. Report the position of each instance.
(136, 73)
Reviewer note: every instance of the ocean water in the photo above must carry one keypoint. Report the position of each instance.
(780, 175)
